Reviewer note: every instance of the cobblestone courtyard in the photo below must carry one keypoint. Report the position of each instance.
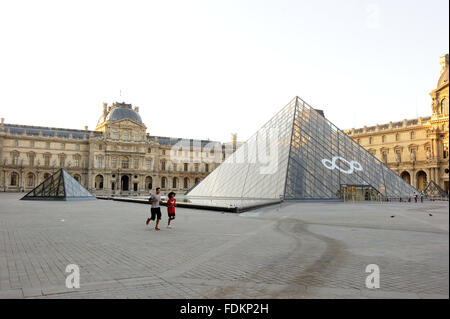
(298, 250)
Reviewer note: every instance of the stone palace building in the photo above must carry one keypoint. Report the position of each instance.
(415, 149)
(118, 157)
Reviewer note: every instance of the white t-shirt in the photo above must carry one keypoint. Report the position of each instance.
(157, 197)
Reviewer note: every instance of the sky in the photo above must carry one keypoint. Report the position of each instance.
(206, 69)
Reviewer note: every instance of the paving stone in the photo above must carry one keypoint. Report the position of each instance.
(303, 250)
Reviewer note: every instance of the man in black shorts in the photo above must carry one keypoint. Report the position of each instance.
(155, 200)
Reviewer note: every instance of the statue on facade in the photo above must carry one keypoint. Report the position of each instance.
(428, 154)
(435, 105)
(398, 157)
(413, 155)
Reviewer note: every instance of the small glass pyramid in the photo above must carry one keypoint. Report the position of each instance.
(59, 186)
(299, 154)
(434, 191)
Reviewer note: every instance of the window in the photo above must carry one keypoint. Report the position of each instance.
(149, 182)
(136, 164)
(125, 162)
(77, 160)
(63, 146)
(77, 147)
(100, 147)
(370, 140)
(412, 135)
(14, 178)
(149, 150)
(100, 162)
(186, 167)
(207, 168)
(186, 182)
(174, 182)
(15, 143)
(47, 144)
(397, 136)
(98, 182)
(125, 135)
(163, 165)
(47, 160)
(114, 162)
(383, 139)
(163, 182)
(149, 164)
(196, 167)
(31, 143)
(163, 152)
(445, 151)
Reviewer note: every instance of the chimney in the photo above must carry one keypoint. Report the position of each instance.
(234, 141)
(444, 62)
(105, 109)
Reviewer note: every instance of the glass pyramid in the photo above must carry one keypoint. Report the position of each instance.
(434, 191)
(59, 186)
(299, 154)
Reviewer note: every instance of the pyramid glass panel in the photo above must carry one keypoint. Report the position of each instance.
(314, 161)
(59, 186)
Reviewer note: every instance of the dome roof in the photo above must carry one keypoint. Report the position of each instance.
(120, 111)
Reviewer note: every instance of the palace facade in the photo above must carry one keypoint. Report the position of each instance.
(118, 157)
(416, 149)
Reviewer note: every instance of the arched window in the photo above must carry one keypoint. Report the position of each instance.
(99, 182)
(149, 182)
(14, 179)
(186, 182)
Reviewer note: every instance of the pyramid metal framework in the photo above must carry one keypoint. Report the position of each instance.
(59, 186)
(313, 160)
(434, 191)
